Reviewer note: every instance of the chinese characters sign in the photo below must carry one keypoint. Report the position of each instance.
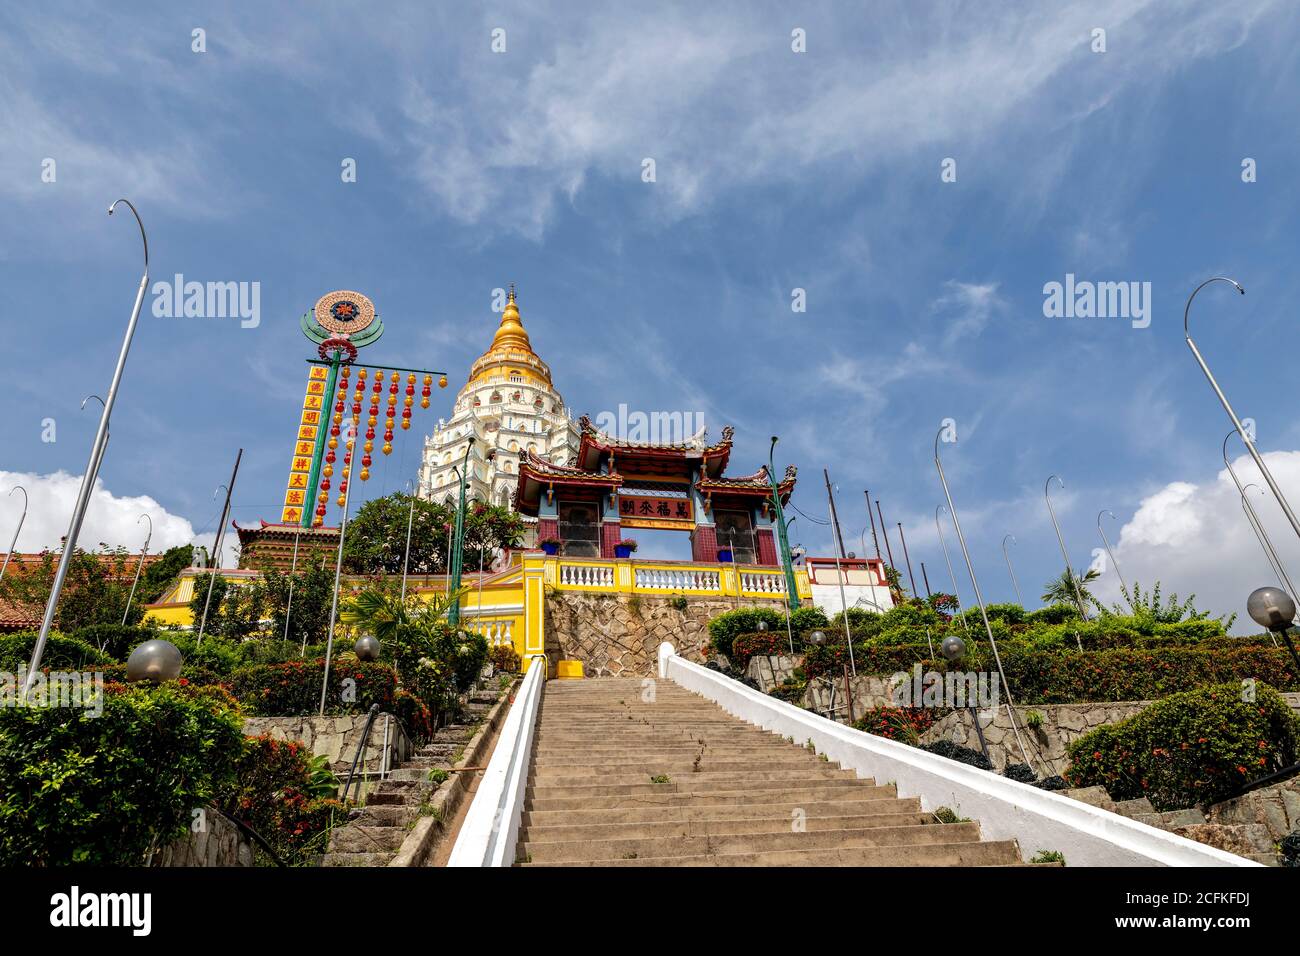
(300, 467)
(655, 511)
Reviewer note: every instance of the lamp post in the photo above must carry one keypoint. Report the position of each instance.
(1065, 555)
(458, 546)
(1010, 570)
(406, 554)
(21, 518)
(1110, 555)
(953, 648)
(1256, 524)
(979, 598)
(1274, 609)
(350, 457)
(88, 479)
(216, 546)
(1227, 407)
(791, 589)
(147, 538)
(943, 544)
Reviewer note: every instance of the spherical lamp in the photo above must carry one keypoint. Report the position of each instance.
(816, 638)
(366, 648)
(953, 648)
(154, 661)
(1271, 608)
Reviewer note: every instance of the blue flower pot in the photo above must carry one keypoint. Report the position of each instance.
(551, 548)
(622, 551)
(724, 555)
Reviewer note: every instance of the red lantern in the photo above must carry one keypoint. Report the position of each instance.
(338, 406)
(334, 430)
(388, 433)
(365, 462)
(406, 413)
(324, 484)
(329, 457)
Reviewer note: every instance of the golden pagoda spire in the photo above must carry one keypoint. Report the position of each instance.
(511, 336)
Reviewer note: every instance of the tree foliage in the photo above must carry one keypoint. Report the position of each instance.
(376, 539)
(94, 592)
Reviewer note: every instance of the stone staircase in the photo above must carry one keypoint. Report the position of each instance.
(374, 833)
(618, 780)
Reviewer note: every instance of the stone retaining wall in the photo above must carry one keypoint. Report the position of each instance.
(219, 843)
(337, 738)
(618, 635)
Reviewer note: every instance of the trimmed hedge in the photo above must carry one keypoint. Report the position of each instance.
(729, 625)
(904, 724)
(1192, 748)
(116, 640)
(293, 688)
(76, 788)
(61, 652)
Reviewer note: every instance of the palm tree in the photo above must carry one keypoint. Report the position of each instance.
(1061, 590)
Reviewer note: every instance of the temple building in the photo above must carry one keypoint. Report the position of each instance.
(513, 411)
(613, 485)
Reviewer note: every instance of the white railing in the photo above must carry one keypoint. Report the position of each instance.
(496, 632)
(678, 579)
(586, 576)
(490, 832)
(762, 582)
(1036, 819)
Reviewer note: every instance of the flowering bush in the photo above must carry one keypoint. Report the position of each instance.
(285, 795)
(1191, 748)
(761, 644)
(726, 627)
(504, 658)
(293, 688)
(904, 724)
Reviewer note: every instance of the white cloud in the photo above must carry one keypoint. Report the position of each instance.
(110, 519)
(1195, 538)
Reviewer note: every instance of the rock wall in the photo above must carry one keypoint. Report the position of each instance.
(617, 635)
(336, 738)
(219, 843)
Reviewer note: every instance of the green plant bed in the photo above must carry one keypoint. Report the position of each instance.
(76, 788)
(293, 688)
(1191, 748)
(61, 652)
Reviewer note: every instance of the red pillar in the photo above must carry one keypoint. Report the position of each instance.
(611, 533)
(547, 528)
(766, 547)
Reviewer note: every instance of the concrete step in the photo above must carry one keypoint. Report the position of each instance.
(688, 812)
(726, 826)
(356, 859)
(572, 777)
(673, 765)
(366, 839)
(385, 814)
(653, 848)
(999, 853)
(704, 783)
(670, 798)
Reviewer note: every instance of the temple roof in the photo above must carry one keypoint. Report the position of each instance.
(597, 443)
(758, 483)
(511, 348)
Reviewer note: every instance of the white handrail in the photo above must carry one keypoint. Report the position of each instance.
(1005, 809)
(490, 833)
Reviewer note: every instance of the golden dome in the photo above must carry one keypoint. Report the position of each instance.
(511, 354)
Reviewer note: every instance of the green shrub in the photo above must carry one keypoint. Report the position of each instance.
(293, 688)
(726, 627)
(504, 658)
(415, 715)
(286, 796)
(1052, 614)
(61, 652)
(465, 652)
(104, 790)
(115, 640)
(904, 724)
(761, 644)
(1192, 748)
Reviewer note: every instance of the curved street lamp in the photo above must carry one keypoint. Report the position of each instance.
(21, 518)
(1113, 562)
(943, 544)
(147, 538)
(88, 479)
(1227, 407)
(1256, 524)
(1069, 573)
(970, 568)
(1010, 570)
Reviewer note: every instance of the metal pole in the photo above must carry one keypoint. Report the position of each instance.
(21, 518)
(1069, 573)
(925, 578)
(872, 518)
(147, 538)
(1113, 562)
(908, 558)
(1010, 570)
(446, 568)
(458, 547)
(1223, 399)
(406, 555)
(792, 589)
(338, 570)
(830, 494)
(1254, 525)
(885, 531)
(943, 544)
(844, 604)
(1265, 541)
(288, 604)
(88, 479)
(216, 547)
(970, 568)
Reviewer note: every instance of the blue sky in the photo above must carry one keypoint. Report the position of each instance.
(775, 170)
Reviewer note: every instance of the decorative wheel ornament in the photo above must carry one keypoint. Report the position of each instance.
(340, 343)
(344, 312)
